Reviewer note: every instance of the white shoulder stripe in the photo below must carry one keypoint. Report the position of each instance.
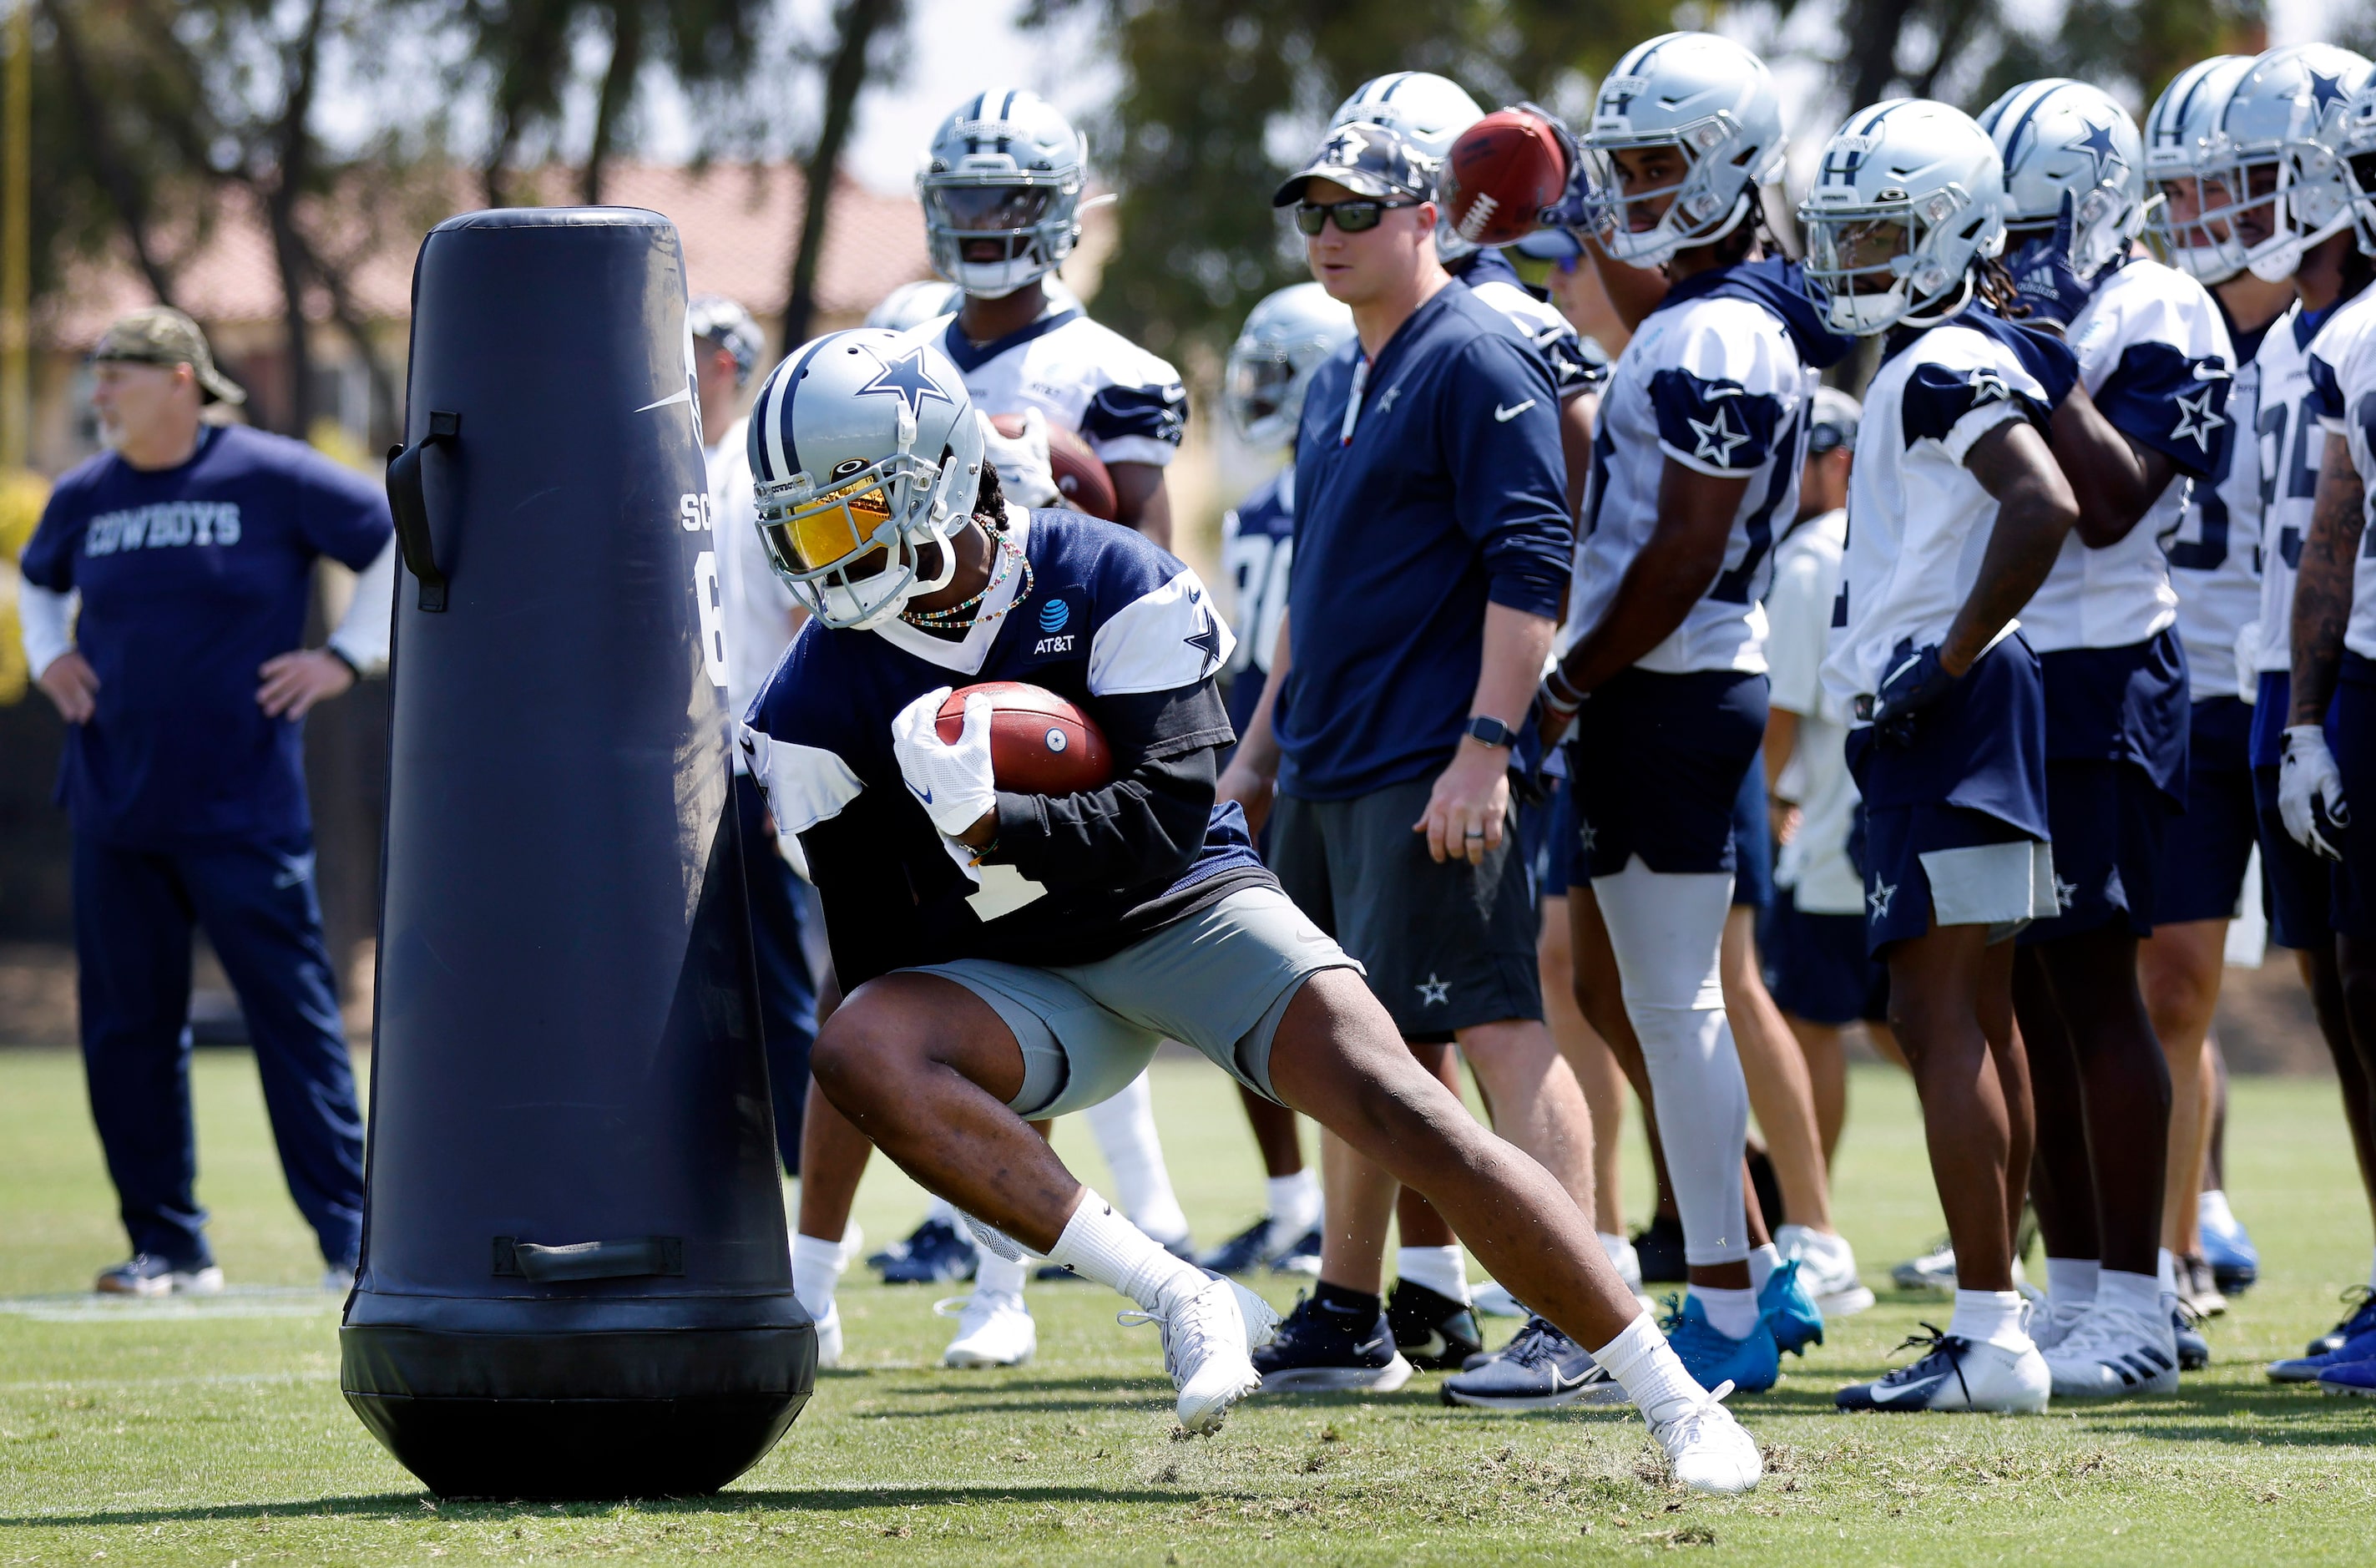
(804, 785)
(1167, 639)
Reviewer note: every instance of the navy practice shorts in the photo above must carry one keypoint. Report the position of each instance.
(1753, 841)
(2110, 824)
(1656, 764)
(2351, 732)
(1817, 967)
(2207, 849)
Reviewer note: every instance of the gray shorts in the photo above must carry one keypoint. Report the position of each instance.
(1218, 981)
(1445, 945)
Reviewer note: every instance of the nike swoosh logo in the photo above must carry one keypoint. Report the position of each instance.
(1884, 1394)
(1560, 1385)
(1435, 1345)
(2209, 373)
(1504, 416)
(922, 794)
(1901, 669)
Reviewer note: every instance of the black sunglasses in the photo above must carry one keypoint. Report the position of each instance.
(1352, 217)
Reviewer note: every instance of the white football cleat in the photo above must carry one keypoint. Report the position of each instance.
(1955, 1374)
(1208, 1345)
(2112, 1353)
(2050, 1322)
(1708, 1449)
(995, 1329)
(1827, 1269)
(828, 1337)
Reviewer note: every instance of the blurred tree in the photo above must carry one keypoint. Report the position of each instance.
(1218, 97)
(864, 32)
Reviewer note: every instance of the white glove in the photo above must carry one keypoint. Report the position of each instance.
(2310, 793)
(1023, 473)
(2248, 660)
(953, 782)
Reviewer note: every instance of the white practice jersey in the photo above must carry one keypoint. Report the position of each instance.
(2291, 443)
(2214, 561)
(2153, 354)
(1552, 334)
(1128, 405)
(756, 607)
(1918, 521)
(1257, 551)
(2343, 386)
(1814, 864)
(1716, 384)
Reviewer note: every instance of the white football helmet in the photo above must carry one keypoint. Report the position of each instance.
(912, 305)
(1288, 337)
(1005, 168)
(1910, 195)
(2177, 140)
(1712, 99)
(2281, 98)
(1429, 112)
(2333, 162)
(865, 450)
(2059, 137)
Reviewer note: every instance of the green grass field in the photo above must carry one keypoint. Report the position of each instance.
(214, 1434)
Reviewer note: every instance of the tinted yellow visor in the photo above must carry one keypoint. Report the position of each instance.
(842, 524)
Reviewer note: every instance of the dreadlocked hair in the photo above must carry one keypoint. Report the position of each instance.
(990, 501)
(1995, 288)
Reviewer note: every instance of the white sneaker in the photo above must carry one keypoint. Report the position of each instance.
(1935, 1270)
(1708, 1449)
(828, 1337)
(2111, 1353)
(2050, 1322)
(1493, 1298)
(995, 1329)
(1208, 1345)
(1827, 1269)
(1956, 1375)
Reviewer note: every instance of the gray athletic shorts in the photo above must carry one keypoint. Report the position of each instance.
(1218, 981)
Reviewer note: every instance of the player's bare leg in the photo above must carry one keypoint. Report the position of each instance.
(1595, 1065)
(1780, 1092)
(2179, 969)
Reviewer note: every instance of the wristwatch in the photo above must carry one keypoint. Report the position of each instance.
(1487, 731)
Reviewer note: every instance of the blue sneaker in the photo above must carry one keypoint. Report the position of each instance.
(933, 1252)
(1790, 1314)
(1317, 1350)
(1539, 1370)
(1752, 1365)
(2355, 1378)
(2360, 1320)
(2310, 1369)
(2226, 1245)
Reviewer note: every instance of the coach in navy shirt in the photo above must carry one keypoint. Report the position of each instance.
(1431, 548)
(190, 547)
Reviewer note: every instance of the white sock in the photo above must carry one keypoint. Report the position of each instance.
(1441, 1269)
(1732, 1313)
(1293, 1203)
(1762, 1262)
(1619, 1248)
(2071, 1282)
(2140, 1293)
(1647, 1368)
(1100, 1244)
(939, 1209)
(1989, 1317)
(816, 1273)
(2211, 1209)
(1124, 1128)
(996, 1274)
(2166, 1273)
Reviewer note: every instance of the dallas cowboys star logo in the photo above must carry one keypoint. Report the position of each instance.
(1346, 147)
(2097, 145)
(1882, 892)
(1434, 992)
(1386, 399)
(1716, 438)
(1587, 837)
(2325, 92)
(1987, 387)
(1207, 641)
(907, 380)
(2065, 895)
(2195, 419)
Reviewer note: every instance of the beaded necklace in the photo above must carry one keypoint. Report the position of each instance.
(947, 619)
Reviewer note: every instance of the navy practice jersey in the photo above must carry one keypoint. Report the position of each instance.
(1258, 548)
(191, 577)
(1113, 622)
(1426, 484)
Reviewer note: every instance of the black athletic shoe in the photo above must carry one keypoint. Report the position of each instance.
(1302, 1256)
(934, 1253)
(1317, 1349)
(2359, 1320)
(2193, 1351)
(1660, 1248)
(1433, 1332)
(1242, 1254)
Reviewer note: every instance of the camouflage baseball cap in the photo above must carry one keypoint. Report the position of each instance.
(161, 335)
(1369, 159)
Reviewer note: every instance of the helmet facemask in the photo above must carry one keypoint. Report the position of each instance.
(1875, 266)
(993, 234)
(1707, 202)
(853, 547)
(2203, 248)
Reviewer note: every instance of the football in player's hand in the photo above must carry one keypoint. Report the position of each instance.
(1085, 485)
(1040, 745)
(1502, 172)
